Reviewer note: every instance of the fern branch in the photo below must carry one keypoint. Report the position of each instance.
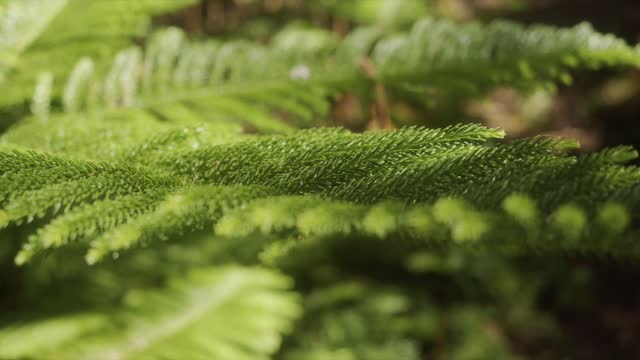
(498, 53)
(255, 85)
(89, 220)
(33, 192)
(190, 210)
(461, 177)
(223, 313)
(23, 23)
(518, 226)
(67, 30)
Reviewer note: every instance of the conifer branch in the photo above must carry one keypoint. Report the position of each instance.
(464, 176)
(260, 86)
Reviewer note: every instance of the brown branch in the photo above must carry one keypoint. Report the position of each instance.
(380, 109)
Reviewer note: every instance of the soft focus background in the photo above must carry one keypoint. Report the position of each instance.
(591, 306)
(599, 109)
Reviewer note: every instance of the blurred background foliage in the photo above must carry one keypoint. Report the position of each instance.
(598, 108)
(472, 307)
(593, 302)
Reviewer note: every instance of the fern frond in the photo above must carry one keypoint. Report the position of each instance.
(222, 313)
(354, 320)
(36, 31)
(519, 226)
(277, 87)
(22, 24)
(47, 187)
(157, 163)
(117, 138)
(189, 210)
(317, 160)
(457, 181)
(475, 56)
(19, 341)
(89, 220)
(210, 81)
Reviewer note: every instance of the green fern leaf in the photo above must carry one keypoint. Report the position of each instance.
(222, 313)
(66, 30)
(458, 186)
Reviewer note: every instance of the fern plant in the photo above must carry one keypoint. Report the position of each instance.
(169, 204)
(66, 30)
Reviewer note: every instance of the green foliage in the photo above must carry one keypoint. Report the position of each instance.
(222, 313)
(500, 52)
(456, 183)
(284, 85)
(66, 31)
(164, 165)
(351, 321)
(380, 12)
(206, 81)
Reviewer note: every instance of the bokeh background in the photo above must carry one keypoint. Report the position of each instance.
(594, 302)
(600, 109)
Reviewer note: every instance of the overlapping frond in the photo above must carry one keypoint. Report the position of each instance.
(290, 82)
(221, 312)
(351, 321)
(440, 53)
(356, 320)
(190, 210)
(156, 150)
(36, 31)
(128, 138)
(458, 185)
(518, 227)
